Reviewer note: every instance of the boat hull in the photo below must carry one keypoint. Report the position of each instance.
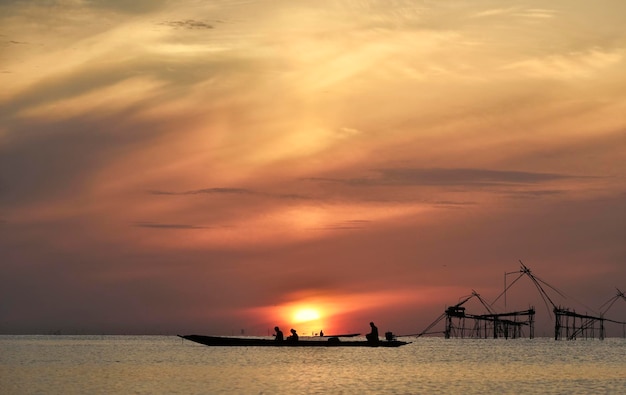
(218, 341)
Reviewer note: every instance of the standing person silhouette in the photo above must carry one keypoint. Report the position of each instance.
(372, 337)
(279, 334)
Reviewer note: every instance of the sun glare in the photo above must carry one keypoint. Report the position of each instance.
(304, 315)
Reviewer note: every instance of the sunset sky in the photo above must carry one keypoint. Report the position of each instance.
(217, 166)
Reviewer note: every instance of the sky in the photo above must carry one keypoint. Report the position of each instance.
(222, 167)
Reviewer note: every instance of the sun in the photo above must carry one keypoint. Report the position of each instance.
(305, 314)
(308, 316)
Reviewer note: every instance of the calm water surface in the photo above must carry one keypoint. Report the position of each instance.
(169, 365)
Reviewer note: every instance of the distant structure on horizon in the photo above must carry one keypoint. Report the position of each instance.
(567, 323)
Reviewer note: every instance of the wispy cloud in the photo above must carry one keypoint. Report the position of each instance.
(345, 132)
(130, 7)
(190, 24)
(448, 177)
(230, 191)
(155, 225)
(346, 225)
(537, 13)
(534, 194)
(493, 12)
(452, 203)
(569, 65)
(207, 191)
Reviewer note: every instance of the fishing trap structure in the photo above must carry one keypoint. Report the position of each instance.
(568, 324)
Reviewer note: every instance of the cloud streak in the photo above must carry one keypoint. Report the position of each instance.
(208, 191)
(449, 177)
(347, 225)
(154, 225)
(189, 24)
(231, 191)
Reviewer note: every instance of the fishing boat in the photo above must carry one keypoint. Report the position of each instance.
(223, 341)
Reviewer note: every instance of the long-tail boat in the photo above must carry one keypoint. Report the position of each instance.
(334, 341)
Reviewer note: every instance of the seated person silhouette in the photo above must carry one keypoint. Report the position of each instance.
(294, 336)
(278, 335)
(372, 337)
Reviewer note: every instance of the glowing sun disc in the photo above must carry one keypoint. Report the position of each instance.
(306, 315)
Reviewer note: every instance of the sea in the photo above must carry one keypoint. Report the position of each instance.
(61, 364)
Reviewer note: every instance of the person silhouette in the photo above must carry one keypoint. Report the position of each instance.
(372, 337)
(294, 336)
(278, 335)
